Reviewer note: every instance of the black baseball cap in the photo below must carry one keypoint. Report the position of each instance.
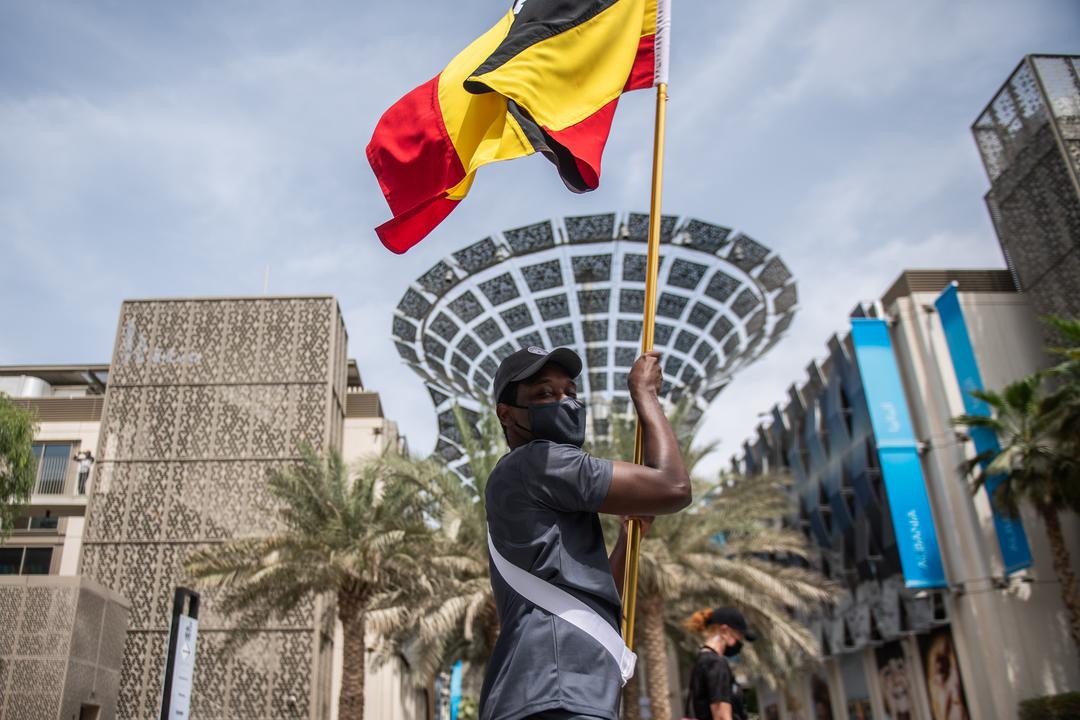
(733, 619)
(527, 362)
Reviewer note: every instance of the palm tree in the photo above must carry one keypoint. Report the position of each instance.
(457, 618)
(1064, 401)
(683, 566)
(726, 549)
(1039, 458)
(355, 538)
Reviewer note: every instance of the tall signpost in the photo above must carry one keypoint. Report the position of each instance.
(180, 658)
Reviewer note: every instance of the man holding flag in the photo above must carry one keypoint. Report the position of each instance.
(559, 652)
(546, 79)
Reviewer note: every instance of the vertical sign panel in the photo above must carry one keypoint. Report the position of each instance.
(183, 667)
(1010, 531)
(909, 505)
(455, 690)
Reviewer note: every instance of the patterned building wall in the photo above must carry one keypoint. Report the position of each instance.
(61, 642)
(1029, 137)
(205, 398)
(824, 438)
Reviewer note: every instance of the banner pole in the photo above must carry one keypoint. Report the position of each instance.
(652, 271)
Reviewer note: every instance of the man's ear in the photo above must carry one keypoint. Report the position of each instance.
(502, 411)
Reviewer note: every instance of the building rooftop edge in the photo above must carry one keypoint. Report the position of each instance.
(934, 280)
(31, 369)
(203, 298)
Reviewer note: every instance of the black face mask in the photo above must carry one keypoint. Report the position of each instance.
(560, 422)
(733, 650)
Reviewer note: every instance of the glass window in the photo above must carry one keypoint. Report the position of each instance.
(37, 561)
(10, 559)
(54, 465)
(44, 523)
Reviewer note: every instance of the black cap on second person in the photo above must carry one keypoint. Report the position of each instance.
(526, 363)
(733, 619)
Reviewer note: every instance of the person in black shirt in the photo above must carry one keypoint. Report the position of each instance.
(713, 693)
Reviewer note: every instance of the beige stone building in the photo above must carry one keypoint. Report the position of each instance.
(147, 457)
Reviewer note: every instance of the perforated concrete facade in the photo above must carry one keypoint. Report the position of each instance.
(205, 397)
(61, 643)
(1029, 139)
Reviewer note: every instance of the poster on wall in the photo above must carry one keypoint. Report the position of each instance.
(895, 686)
(860, 709)
(856, 687)
(819, 695)
(943, 682)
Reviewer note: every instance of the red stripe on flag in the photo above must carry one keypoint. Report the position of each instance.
(586, 140)
(409, 228)
(644, 69)
(411, 152)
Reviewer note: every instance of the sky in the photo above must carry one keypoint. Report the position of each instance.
(153, 149)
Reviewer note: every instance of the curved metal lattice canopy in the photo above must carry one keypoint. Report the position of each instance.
(724, 299)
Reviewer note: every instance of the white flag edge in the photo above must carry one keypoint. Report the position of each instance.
(662, 42)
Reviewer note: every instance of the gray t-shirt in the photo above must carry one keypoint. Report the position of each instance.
(542, 500)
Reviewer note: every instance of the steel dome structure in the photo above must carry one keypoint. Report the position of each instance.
(724, 299)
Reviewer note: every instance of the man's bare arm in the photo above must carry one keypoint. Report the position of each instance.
(662, 485)
(720, 711)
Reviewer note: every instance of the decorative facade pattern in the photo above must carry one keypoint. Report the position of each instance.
(61, 643)
(824, 438)
(1029, 139)
(724, 300)
(205, 397)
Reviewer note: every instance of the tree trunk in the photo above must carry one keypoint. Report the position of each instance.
(351, 699)
(631, 697)
(654, 648)
(1063, 568)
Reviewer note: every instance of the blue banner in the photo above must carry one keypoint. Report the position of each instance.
(898, 452)
(1010, 531)
(455, 690)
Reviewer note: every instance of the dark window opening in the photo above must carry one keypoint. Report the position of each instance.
(37, 561)
(25, 560)
(10, 560)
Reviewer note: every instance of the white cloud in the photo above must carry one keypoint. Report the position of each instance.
(177, 151)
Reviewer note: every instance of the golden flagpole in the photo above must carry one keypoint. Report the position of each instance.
(633, 530)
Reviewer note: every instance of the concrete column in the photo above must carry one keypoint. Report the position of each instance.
(980, 650)
(797, 698)
(916, 678)
(836, 689)
(873, 684)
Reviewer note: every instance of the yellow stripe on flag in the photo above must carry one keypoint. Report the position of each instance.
(564, 79)
(648, 27)
(479, 127)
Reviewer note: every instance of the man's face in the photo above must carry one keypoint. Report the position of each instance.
(550, 384)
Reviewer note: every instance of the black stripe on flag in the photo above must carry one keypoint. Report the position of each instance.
(536, 21)
(549, 148)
